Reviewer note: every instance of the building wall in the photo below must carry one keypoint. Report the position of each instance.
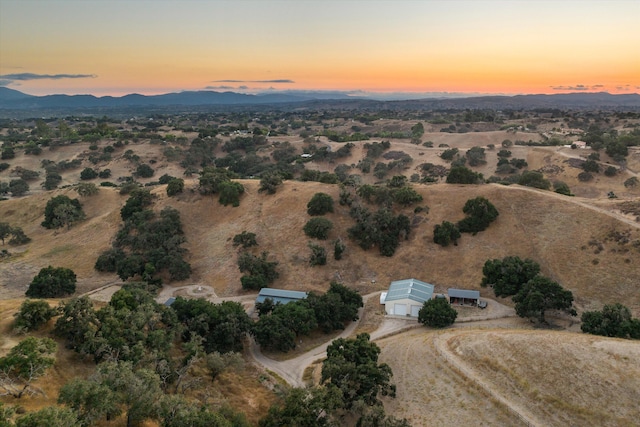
(391, 309)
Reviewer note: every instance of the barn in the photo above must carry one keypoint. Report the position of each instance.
(280, 295)
(463, 296)
(406, 297)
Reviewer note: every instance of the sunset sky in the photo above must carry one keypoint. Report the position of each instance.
(115, 47)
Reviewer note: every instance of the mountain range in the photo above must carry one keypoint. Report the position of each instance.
(11, 99)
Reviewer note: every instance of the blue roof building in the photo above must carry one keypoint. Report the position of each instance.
(406, 297)
(280, 295)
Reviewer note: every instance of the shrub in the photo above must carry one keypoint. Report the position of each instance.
(52, 282)
(338, 249)
(480, 213)
(230, 192)
(534, 179)
(318, 228)
(610, 171)
(463, 175)
(144, 171)
(320, 204)
(88, 173)
(585, 177)
(437, 313)
(245, 239)
(32, 315)
(175, 186)
(631, 182)
(446, 233)
(318, 255)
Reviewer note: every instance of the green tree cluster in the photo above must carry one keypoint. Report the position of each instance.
(62, 211)
(352, 367)
(25, 363)
(614, 320)
(463, 175)
(32, 315)
(381, 229)
(320, 204)
(222, 326)
(541, 294)
(480, 214)
(17, 235)
(259, 272)
(437, 313)
(280, 324)
(245, 239)
(508, 275)
(145, 244)
(446, 233)
(318, 228)
(52, 282)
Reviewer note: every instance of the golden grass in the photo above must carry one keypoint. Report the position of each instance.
(564, 378)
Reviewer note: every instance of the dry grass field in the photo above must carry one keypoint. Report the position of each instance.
(556, 378)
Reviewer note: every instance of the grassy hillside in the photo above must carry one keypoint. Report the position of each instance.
(575, 244)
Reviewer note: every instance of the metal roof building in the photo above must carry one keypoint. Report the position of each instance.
(280, 295)
(406, 297)
(463, 296)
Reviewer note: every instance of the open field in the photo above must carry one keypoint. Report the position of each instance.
(549, 378)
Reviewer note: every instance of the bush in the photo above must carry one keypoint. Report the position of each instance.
(446, 233)
(318, 228)
(610, 171)
(86, 189)
(320, 204)
(463, 175)
(480, 213)
(88, 173)
(175, 186)
(318, 255)
(338, 249)
(534, 179)
(245, 239)
(585, 177)
(104, 174)
(437, 313)
(613, 321)
(230, 192)
(144, 171)
(52, 282)
(32, 315)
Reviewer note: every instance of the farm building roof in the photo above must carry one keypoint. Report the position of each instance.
(463, 293)
(412, 289)
(280, 295)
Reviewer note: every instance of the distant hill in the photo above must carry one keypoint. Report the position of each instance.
(14, 100)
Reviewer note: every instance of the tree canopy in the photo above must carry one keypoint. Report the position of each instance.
(437, 313)
(614, 320)
(541, 294)
(52, 282)
(480, 213)
(352, 366)
(62, 211)
(509, 275)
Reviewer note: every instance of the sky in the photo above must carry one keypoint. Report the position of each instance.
(116, 47)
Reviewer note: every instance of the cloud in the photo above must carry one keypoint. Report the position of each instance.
(33, 76)
(219, 87)
(578, 87)
(254, 81)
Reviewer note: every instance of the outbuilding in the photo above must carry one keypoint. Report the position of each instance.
(406, 297)
(281, 296)
(463, 296)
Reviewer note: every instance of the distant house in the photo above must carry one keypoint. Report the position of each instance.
(579, 144)
(306, 156)
(463, 296)
(170, 301)
(280, 295)
(406, 297)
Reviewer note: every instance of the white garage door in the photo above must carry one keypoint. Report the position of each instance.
(400, 309)
(415, 309)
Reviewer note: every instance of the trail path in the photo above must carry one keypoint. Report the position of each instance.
(441, 342)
